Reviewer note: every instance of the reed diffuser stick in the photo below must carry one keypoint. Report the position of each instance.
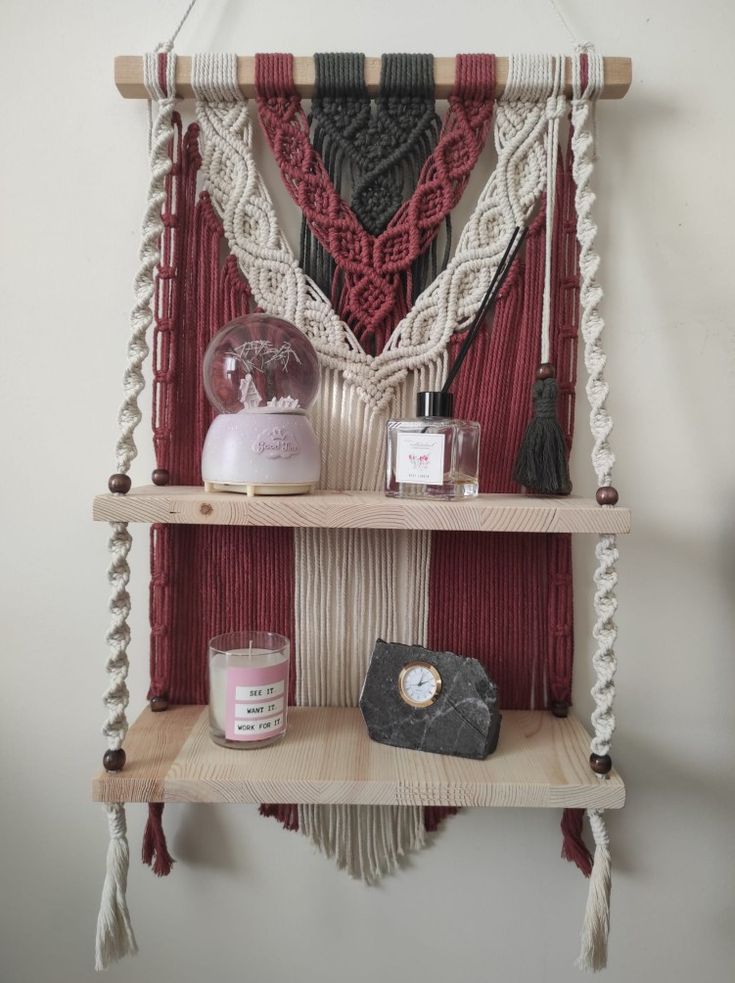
(503, 268)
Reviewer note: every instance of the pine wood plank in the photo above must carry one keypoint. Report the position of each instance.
(129, 76)
(327, 757)
(361, 510)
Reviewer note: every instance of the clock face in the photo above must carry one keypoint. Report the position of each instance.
(419, 684)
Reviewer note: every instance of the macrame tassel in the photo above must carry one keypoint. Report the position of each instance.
(593, 952)
(115, 937)
(574, 849)
(541, 465)
(155, 850)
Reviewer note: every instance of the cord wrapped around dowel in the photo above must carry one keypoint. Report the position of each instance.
(596, 927)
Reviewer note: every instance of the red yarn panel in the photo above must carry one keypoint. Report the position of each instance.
(204, 580)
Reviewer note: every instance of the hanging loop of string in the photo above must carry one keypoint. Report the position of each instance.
(168, 45)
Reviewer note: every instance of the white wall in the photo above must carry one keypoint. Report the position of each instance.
(491, 899)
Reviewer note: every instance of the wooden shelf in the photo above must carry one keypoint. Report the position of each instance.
(362, 510)
(327, 757)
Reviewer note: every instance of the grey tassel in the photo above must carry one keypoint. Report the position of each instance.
(541, 464)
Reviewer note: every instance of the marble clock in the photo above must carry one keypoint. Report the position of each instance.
(430, 701)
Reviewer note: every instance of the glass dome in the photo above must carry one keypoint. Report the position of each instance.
(261, 364)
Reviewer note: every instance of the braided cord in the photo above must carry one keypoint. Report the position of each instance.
(585, 91)
(116, 695)
(159, 71)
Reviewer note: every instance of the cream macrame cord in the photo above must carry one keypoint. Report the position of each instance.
(115, 936)
(593, 951)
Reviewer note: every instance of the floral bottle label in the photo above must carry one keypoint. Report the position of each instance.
(276, 442)
(420, 458)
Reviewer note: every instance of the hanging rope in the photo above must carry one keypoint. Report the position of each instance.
(592, 325)
(587, 82)
(114, 933)
(159, 74)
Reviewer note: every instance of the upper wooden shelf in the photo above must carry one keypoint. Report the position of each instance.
(361, 510)
(327, 757)
(618, 73)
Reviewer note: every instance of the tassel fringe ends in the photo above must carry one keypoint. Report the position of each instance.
(593, 952)
(115, 937)
(573, 847)
(541, 465)
(366, 841)
(155, 850)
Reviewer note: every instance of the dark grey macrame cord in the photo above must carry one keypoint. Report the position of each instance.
(374, 155)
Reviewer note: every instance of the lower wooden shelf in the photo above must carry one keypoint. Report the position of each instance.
(327, 757)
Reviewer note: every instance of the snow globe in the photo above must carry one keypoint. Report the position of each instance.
(261, 374)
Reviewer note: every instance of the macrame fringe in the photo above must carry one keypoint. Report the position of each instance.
(596, 927)
(366, 841)
(574, 849)
(286, 815)
(155, 850)
(541, 465)
(115, 937)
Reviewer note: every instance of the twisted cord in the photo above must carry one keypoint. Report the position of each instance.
(447, 305)
(159, 76)
(116, 697)
(590, 292)
(585, 91)
(604, 632)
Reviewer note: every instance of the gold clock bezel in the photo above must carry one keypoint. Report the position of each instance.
(437, 679)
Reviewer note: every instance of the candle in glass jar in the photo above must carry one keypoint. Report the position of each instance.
(248, 688)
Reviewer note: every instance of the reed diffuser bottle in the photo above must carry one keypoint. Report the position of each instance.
(433, 456)
(436, 456)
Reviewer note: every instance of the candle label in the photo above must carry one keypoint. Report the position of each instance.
(420, 458)
(255, 702)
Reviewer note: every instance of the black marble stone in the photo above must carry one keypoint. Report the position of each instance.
(464, 720)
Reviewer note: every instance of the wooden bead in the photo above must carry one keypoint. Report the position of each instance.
(601, 764)
(607, 495)
(559, 708)
(160, 476)
(119, 483)
(545, 371)
(114, 760)
(159, 703)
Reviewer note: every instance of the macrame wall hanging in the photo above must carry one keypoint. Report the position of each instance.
(384, 303)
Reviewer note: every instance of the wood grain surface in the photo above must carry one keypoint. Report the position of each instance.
(362, 510)
(327, 756)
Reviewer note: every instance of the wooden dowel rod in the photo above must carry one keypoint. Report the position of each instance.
(129, 76)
